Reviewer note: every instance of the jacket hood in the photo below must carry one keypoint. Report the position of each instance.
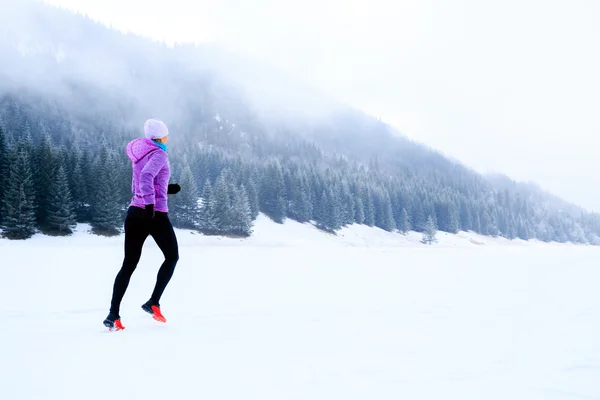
(139, 148)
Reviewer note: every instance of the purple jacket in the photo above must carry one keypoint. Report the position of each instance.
(151, 174)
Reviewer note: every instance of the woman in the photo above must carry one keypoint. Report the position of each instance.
(147, 215)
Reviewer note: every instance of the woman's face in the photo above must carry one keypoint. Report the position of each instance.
(164, 139)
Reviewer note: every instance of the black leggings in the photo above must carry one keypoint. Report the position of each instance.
(137, 229)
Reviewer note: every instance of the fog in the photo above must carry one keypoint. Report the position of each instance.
(508, 87)
(50, 50)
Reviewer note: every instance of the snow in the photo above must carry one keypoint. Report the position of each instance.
(295, 313)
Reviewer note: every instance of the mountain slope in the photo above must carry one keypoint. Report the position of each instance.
(258, 139)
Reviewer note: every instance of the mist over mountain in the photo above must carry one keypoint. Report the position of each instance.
(246, 138)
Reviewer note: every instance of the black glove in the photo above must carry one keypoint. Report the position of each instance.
(149, 211)
(173, 188)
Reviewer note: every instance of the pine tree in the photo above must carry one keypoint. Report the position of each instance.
(322, 210)
(272, 193)
(207, 220)
(429, 209)
(46, 162)
(300, 207)
(429, 235)
(19, 197)
(78, 187)
(106, 208)
(334, 220)
(329, 217)
(502, 222)
(418, 215)
(453, 217)
(25, 139)
(185, 203)
(359, 211)
(60, 213)
(304, 205)
(385, 216)
(477, 223)
(466, 217)
(512, 228)
(3, 169)
(493, 227)
(222, 203)
(241, 218)
(486, 223)
(369, 206)
(404, 225)
(124, 175)
(291, 189)
(347, 204)
(89, 179)
(253, 198)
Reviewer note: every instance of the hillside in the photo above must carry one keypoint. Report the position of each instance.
(246, 139)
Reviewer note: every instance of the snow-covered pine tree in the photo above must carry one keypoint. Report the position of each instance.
(334, 220)
(304, 207)
(429, 235)
(272, 193)
(25, 140)
(125, 175)
(3, 169)
(78, 187)
(453, 217)
(384, 214)
(466, 216)
(359, 210)
(576, 233)
(106, 207)
(300, 205)
(404, 225)
(252, 191)
(328, 216)
(60, 215)
(486, 223)
(222, 203)
(512, 228)
(19, 201)
(291, 190)
(315, 188)
(207, 220)
(418, 214)
(241, 218)
(347, 204)
(493, 227)
(46, 163)
(321, 210)
(477, 222)
(429, 209)
(502, 221)
(88, 172)
(185, 203)
(369, 204)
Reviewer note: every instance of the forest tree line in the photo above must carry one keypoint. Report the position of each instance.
(49, 183)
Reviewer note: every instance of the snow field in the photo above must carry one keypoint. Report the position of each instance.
(296, 314)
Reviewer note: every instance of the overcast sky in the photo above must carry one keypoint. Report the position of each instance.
(511, 86)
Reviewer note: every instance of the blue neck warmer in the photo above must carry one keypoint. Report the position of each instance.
(161, 145)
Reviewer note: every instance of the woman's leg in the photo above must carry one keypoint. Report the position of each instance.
(164, 235)
(136, 232)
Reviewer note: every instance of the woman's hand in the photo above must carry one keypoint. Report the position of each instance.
(173, 188)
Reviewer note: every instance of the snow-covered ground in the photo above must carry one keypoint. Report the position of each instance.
(292, 234)
(294, 313)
